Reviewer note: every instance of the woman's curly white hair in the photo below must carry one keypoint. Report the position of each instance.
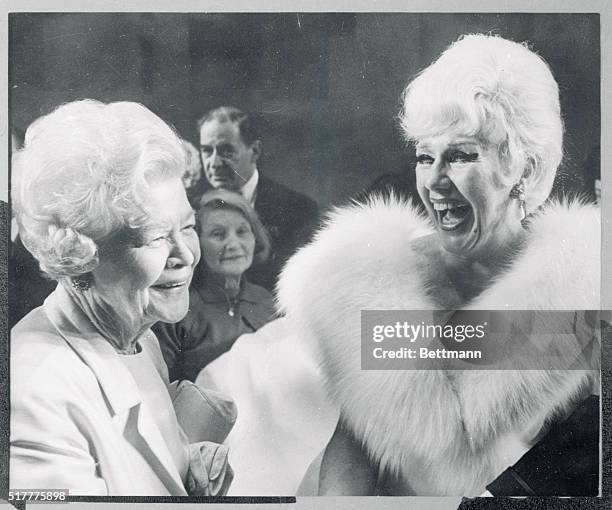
(83, 175)
(497, 90)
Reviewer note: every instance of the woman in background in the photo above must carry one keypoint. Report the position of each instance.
(100, 204)
(223, 304)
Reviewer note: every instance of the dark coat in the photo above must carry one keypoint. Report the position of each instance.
(290, 218)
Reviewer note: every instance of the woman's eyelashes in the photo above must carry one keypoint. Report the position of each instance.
(217, 233)
(454, 156)
(462, 157)
(424, 159)
(223, 233)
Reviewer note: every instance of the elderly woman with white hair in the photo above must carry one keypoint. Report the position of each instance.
(485, 119)
(100, 204)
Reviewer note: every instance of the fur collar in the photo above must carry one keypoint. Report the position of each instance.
(445, 437)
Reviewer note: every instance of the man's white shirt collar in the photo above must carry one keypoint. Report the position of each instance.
(249, 190)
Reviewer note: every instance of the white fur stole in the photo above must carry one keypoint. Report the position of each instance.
(443, 437)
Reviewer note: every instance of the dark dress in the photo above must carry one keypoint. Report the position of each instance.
(208, 330)
(565, 462)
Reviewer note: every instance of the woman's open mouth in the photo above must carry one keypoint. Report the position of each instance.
(451, 215)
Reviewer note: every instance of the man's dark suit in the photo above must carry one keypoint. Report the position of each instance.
(290, 218)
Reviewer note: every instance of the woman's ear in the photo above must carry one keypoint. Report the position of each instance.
(512, 169)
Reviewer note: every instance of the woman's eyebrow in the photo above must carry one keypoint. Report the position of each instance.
(214, 225)
(154, 226)
(464, 144)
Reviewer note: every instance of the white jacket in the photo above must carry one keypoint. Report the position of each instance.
(77, 419)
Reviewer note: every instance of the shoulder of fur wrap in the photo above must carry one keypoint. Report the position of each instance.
(354, 258)
(561, 267)
(413, 422)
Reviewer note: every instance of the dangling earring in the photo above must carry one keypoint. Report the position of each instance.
(81, 283)
(518, 193)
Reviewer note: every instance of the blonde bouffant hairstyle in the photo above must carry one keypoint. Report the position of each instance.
(83, 175)
(501, 92)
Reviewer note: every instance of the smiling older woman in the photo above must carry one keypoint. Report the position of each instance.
(100, 203)
(486, 122)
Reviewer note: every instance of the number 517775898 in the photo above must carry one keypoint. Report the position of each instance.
(39, 495)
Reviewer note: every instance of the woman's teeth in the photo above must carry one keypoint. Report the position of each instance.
(170, 285)
(443, 206)
(450, 214)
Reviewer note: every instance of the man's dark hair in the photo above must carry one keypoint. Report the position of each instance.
(247, 125)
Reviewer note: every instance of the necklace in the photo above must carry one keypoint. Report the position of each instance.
(232, 304)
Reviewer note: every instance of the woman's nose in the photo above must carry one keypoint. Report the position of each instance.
(437, 179)
(232, 242)
(180, 254)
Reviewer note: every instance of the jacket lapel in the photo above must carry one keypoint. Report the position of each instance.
(164, 466)
(119, 388)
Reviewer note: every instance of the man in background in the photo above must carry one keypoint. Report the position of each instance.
(230, 149)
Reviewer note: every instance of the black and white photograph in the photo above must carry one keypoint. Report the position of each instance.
(283, 255)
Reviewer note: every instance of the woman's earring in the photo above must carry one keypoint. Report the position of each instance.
(518, 192)
(81, 283)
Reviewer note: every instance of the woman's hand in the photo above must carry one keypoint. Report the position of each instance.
(209, 471)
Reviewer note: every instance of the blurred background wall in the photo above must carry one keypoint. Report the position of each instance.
(327, 85)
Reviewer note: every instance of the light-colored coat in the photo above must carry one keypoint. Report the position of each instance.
(443, 437)
(77, 419)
